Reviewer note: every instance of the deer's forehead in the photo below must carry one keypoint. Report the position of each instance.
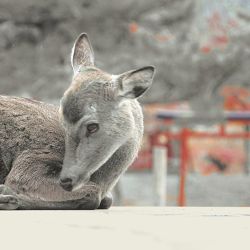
(83, 79)
(74, 106)
(89, 92)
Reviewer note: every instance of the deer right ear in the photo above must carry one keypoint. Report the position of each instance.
(134, 83)
(82, 53)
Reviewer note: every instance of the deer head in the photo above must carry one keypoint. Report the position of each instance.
(95, 113)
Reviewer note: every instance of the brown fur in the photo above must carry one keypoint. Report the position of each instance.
(32, 150)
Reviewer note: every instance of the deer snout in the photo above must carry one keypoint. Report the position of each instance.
(70, 180)
(66, 184)
(68, 177)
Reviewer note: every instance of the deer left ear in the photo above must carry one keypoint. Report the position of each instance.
(82, 53)
(133, 84)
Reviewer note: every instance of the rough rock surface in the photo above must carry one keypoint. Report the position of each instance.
(197, 46)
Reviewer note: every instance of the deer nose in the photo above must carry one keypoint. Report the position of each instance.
(66, 184)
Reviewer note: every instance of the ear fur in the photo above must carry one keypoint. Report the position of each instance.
(82, 53)
(134, 83)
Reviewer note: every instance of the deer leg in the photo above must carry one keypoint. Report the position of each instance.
(33, 183)
(9, 200)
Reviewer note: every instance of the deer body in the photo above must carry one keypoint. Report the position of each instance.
(71, 157)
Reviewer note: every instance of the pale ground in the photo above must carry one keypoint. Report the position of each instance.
(127, 228)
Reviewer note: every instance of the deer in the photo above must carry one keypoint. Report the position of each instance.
(70, 156)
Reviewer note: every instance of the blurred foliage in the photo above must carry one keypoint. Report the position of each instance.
(196, 46)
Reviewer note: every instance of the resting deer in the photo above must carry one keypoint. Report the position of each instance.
(71, 157)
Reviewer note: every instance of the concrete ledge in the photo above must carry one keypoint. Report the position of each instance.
(127, 228)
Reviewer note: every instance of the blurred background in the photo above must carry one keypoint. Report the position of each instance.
(195, 150)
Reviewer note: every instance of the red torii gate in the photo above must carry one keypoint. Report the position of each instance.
(183, 135)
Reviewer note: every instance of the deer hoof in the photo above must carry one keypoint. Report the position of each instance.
(8, 202)
(106, 202)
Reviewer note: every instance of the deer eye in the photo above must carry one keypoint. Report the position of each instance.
(92, 128)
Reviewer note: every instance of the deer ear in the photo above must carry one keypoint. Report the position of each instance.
(82, 53)
(133, 84)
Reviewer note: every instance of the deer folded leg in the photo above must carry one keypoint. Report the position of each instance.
(9, 200)
(34, 182)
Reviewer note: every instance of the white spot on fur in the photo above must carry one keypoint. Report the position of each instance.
(114, 78)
